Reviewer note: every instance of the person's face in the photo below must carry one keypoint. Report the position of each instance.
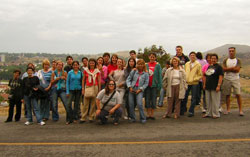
(30, 72)
(69, 61)
(106, 59)
(178, 51)
(59, 66)
(92, 64)
(192, 57)
(85, 62)
(46, 66)
(54, 65)
(131, 63)
(231, 53)
(213, 59)
(209, 59)
(16, 75)
(175, 63)
(152, 58)
(111, 85)
(167, 66)
(100, 61)
(133, 55)
(140, 66)
(75, 66)
(120, 63)
(114, 60)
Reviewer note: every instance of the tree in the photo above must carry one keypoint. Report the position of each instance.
(162, 55)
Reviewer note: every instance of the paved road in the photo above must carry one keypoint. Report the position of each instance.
(169, 137)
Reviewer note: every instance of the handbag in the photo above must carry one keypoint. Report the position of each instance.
(90, 92)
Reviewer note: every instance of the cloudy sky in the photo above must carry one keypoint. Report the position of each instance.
(96, 26)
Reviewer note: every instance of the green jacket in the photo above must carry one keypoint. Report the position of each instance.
(157, 79)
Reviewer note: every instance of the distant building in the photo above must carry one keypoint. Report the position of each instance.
(2, 58)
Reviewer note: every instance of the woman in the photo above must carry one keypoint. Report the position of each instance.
(113, 65)
(137, 82)
(30, 97)
(44, 76)
(155, 84)
(58, 79)
(119, 78)
(91, 85)
(130, 66)
(212, 86)
(73, 89)
(175, 84)
(103, 70)
(111, 101)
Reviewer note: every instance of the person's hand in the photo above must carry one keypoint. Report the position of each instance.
(58, 78)
(98, 112)
(138, 91)
(47, 89)
(63, 77)
(22, 101)
(35, 89)
(204, 87)
(217, 88)
(131, 89)
(111, 111)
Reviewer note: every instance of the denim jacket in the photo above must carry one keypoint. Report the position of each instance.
(133, 77)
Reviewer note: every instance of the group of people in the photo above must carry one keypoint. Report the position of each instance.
(110, 86)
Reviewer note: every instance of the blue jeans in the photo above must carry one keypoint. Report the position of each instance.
(32, 103)
(150, 97)
(131, 98)
(194, 100)
(162, 94)
(62, 95)
(45, 105)
(74, 95)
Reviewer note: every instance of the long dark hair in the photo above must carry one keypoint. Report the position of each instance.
(92, 60)
(128, 69)
(107, 87)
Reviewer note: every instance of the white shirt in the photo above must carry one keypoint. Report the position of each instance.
(231, 75)
(176, 77)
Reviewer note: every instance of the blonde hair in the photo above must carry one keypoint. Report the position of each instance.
(59, 61)
(46, 61)
(175, 58)
(141, 61)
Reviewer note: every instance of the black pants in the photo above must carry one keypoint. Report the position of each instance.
(104, 114)
(12, 104)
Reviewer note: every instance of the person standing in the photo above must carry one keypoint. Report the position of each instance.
(30, 97)
(155, 83)
(106, 58)
(194, 74)
(44, 76)
(132, 54)
(137, 82)
(68, 67)
(174, 82)
(91, 83)
(212, 85)
(15, 96)
(73, 89)
(231, 67)
(179, 53)
(113, 65)
(119, 77)
(103, 70)
(163, 91)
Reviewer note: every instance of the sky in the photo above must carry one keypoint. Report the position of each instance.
(97, 26)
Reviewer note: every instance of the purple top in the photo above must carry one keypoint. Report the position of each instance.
(104, 75)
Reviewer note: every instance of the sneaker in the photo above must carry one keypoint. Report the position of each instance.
(28, 123)
(7, 121)
(125, 117)
(42, 123)
(190, 115)
(143, 121)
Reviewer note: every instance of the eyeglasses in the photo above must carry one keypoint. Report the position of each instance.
(111, 84)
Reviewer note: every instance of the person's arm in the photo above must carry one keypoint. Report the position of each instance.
(98, 106)
(219, 83)
(99, 82)
(146, 81)
(160, 78)
(68, 84)
(114, 108)
(83, 84)
(111, 75)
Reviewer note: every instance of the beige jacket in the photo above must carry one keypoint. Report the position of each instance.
(193, 74)
(167, 81)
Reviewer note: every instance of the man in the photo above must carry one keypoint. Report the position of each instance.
(68, 67)
(106, 58)
(231, 67)
(179, 53)
(193, 74)
(15, 96)
(132, 54)
(84, 63)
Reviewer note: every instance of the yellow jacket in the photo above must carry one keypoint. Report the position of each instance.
(193, 74)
